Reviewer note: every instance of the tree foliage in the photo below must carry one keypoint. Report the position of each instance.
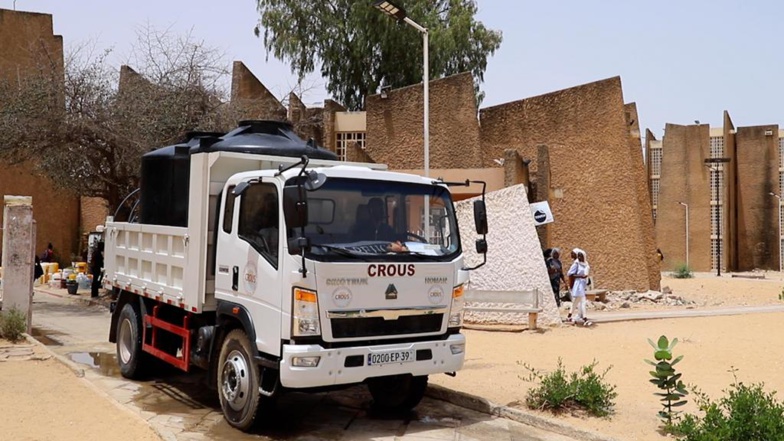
(87, 132)
(358, 48)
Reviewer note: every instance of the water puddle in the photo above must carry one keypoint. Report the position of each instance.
(43, 336)
(104, 363)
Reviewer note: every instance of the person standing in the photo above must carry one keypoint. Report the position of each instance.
(555, 270)
(96, 268)
(48, 254)
(578, 275)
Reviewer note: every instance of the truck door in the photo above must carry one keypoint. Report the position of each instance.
(248, 248)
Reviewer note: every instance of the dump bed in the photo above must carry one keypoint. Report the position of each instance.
(154, 261)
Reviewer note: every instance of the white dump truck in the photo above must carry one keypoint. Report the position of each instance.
(265, 261)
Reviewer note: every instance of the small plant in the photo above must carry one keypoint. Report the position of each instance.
(559, 391)
(682, 271)
(12, 324)
(745, 412)
(781, 294)
(665, 378)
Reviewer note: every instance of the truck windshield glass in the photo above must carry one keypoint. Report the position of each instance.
(362, 218)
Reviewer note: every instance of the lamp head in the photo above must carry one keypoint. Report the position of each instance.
(391, 9)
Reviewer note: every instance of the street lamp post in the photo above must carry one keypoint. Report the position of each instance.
(687, 232)
(779, 208)
(399, 14)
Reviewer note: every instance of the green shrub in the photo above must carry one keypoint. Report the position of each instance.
(559, 391)
(682, 271)
(666, 379)
(12, 324)
(745, 413)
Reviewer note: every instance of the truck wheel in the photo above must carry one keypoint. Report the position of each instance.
(130, 357)
(238, 381)
(397, 393)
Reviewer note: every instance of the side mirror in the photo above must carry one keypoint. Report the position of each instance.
(480, 217)
(481, 246)
(315, 180)
(295, 207)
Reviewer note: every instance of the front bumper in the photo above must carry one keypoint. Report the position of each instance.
(332, 370)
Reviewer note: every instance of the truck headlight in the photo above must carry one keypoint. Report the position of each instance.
(305, 313)
(456, 312)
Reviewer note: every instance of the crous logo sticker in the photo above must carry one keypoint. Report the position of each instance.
(435, 295)
(341, 297)
(249, 277)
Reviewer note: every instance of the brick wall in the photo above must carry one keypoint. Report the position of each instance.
(250, 99)
(596, 177)
(684, 178)
(757, 168)
(28, 43)
(56, 211)
(395, 126)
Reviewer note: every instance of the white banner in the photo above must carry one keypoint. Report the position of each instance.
(542, 213)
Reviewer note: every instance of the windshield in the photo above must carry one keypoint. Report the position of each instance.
(357, 218)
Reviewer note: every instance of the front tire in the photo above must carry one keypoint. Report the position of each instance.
(398, 393)
(238, 381)
(132, 360)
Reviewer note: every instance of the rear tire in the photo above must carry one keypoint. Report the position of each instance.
(132, 360)
(398, 393)
(238, 381)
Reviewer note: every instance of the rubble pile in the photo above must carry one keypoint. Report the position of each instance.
(632, 299)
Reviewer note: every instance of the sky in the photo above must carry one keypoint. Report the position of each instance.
(680, 61)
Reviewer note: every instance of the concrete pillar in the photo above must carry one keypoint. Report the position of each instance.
(18, 254)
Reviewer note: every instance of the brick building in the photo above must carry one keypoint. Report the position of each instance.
(28, 43)
(733, 206)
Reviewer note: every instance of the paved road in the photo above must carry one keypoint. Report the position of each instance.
(617, 316)
(179, 408)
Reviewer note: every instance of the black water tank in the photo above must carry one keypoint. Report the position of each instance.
(165, 172)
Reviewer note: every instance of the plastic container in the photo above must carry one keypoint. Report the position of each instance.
(83, 281)
(81, 267)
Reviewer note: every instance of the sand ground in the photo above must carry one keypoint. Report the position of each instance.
(711, 346)
(42, 399)
(50, 402)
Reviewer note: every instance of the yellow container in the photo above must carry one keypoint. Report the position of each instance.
(81, 267)
(50, 267)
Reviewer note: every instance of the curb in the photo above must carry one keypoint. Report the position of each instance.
(79, 372)
(483, 405)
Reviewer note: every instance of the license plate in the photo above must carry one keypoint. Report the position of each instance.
(378, 358)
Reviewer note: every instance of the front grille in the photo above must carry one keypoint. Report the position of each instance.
(377, 326)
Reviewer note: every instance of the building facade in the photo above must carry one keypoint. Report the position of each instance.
(715, 194)
(29, 44)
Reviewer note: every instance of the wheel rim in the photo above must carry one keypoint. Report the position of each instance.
(235, 385)
(125, 341)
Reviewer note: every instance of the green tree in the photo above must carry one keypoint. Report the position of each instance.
(357, 47)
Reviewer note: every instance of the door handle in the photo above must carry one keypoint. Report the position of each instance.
(235, 278)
